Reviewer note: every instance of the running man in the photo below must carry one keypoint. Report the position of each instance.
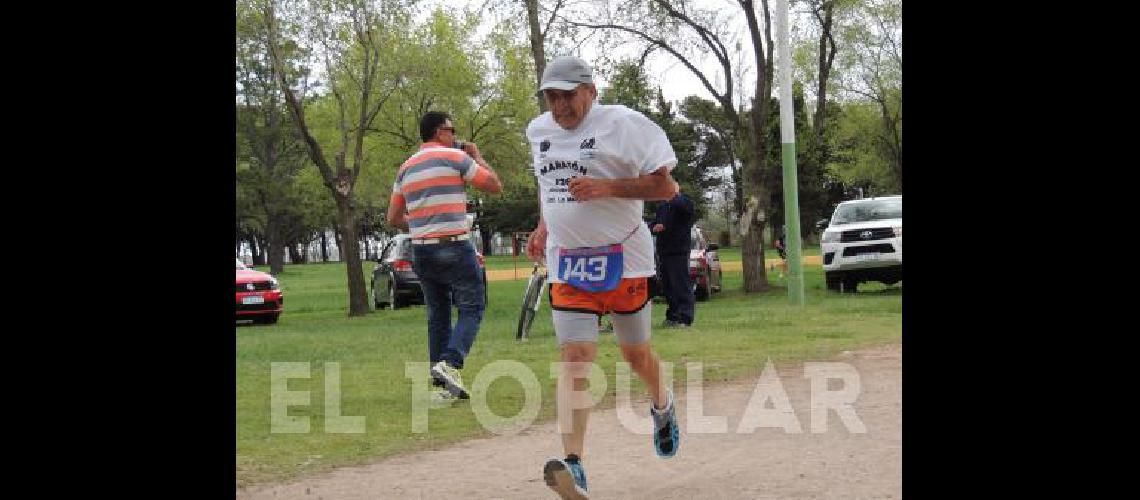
(596, 165)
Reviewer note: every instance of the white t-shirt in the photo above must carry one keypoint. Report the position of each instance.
(612, 142)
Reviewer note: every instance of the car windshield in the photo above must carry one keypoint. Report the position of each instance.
(869, 210)
(240, 266)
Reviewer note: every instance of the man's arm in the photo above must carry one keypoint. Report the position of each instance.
(655, 186)
(536, 243)
(485, 179)
(396, 212)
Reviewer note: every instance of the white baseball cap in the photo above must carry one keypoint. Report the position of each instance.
(566, 73)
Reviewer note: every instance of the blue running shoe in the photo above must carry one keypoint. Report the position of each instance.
(666, 432)
(568, 479)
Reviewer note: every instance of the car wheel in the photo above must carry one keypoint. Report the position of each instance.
(701, 292)
(850, 286)
(267, 319)
(832, 280)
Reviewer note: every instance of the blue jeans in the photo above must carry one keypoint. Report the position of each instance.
(449, 272)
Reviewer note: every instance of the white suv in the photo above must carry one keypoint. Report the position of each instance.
(863, 242)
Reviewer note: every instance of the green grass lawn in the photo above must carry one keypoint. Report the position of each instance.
(523, 264)
(733, 335)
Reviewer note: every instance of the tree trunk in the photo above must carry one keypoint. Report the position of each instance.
(350, 254)
(485, 233)
(324, 245)
(826, 58)
(339, 241)
(537, 47)
(738, 190)
(294, 255)
(255, 251)
(276, 247)
(892, 140)
(752, 257)
(752, 248)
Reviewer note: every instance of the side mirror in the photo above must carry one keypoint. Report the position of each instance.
(713, 247)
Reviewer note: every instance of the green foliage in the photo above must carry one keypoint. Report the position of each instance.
(699, 154)
(270, 202)
(486, 86)
(813, 199)
(860, 156)
(870, 77)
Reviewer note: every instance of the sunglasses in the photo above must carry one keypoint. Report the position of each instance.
(449, 129)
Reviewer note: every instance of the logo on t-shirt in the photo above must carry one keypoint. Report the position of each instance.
(543, 146)
(587, 144)
(562, 165)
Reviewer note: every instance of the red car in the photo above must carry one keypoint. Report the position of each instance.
(258, 296)
(704, 266)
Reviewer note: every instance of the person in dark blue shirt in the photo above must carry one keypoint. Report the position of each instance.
(673, 226)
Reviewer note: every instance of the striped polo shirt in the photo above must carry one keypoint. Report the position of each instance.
(431, 186)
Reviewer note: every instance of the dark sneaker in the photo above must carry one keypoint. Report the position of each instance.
(451, 378)
(568, 479)
(666, 432)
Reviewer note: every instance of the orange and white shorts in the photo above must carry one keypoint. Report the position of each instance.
(576, 312)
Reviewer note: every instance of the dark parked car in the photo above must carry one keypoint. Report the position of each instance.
(394, 281)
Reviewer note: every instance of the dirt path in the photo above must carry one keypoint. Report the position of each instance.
(768, 463)
(522, 274)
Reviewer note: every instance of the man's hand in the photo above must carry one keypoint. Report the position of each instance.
(536, 243)
(471, 149)
(658, 228)
(586, 189)
(490, 184)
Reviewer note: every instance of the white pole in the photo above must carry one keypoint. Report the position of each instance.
(788, 157)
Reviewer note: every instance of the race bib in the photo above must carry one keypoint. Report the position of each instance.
(591, 269)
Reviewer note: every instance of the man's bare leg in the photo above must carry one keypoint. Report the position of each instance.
(645, 363)
(577, 359)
